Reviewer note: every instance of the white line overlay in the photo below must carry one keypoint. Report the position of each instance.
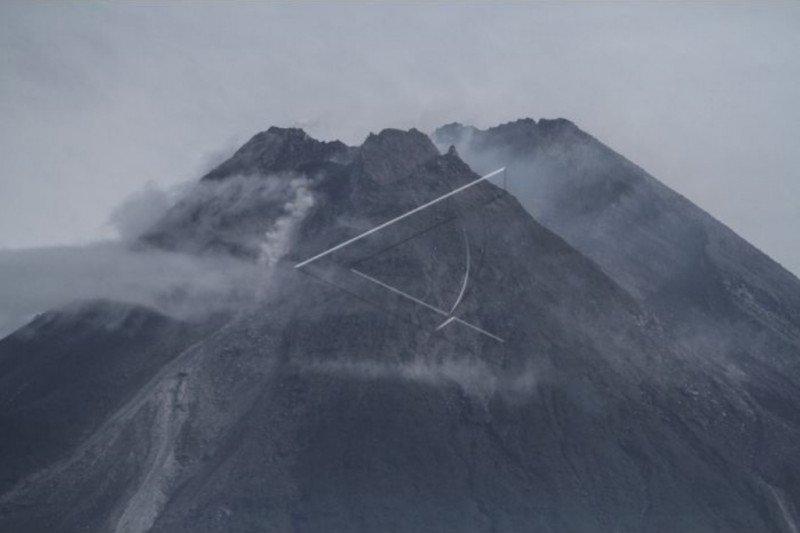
(463, 283)
(425, 304)
(449, 316)
(397, 219)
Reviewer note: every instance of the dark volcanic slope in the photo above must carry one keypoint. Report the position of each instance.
(341, 409)
(720, 295)
(68, 370)
(652, 241)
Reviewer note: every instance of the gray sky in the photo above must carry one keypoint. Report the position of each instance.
(98, 99)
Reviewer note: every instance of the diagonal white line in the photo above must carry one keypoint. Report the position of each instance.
(399, 218)
(398, 291)
(476, 328)
(425, 304)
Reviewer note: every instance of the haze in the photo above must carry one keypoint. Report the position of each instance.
(98, 99)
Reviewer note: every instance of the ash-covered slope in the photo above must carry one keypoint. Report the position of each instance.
(332, 404)
(652, 241)
(720, 295)
(69, 369)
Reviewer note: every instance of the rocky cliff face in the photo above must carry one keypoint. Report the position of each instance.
(332, 403)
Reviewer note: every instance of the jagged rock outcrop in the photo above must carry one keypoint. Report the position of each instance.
(393, 154)
(279, 150)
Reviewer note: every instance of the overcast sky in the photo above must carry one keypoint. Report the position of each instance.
(97, 99)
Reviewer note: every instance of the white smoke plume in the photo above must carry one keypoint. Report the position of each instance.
(183, 285)
(277, 239)
(188, 287)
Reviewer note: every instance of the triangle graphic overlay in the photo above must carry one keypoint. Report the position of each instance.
(446, 316)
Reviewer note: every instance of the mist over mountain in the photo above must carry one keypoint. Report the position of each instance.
(584, 351)
(176, 284)
(720, 294)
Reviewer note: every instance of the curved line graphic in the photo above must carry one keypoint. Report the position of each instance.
(466, 272)
(464, 282)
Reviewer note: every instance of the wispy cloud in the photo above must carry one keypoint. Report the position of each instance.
(186, 284)
(471, 375)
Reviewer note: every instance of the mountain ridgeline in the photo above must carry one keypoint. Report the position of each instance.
(585, 351)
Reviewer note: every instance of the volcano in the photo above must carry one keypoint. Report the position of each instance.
(642, 372)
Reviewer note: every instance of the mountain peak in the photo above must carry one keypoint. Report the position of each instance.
(521, 129)
(236, 209)
(451, 134)
(545, 127)
(279, 149)
(393, 154)
(287, 132)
